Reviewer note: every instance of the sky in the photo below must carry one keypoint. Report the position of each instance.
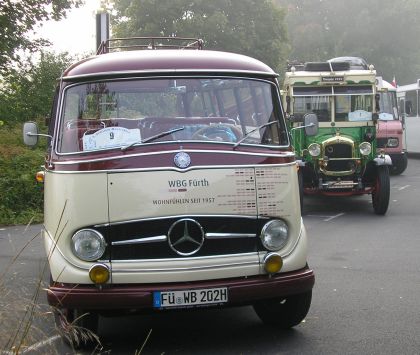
(75, 34)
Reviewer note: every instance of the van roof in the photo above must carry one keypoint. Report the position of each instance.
(147, 62)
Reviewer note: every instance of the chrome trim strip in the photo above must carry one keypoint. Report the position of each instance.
(159, 238)
(179, 216)
(186, 259)
(229, 235)
(189, 268)
(174, 151)
(171, 168)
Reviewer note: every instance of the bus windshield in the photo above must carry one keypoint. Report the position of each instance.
(120, 114)
(351, 103)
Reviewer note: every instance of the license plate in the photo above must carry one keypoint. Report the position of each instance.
(185, 298)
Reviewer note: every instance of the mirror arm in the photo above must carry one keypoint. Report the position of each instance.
(30, 134)
(300, 127)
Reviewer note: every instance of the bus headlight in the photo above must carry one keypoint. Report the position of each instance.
(314, 149)
(365, 148)
(274, 234)
(88, 244)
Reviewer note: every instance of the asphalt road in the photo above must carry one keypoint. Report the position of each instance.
(366, 298)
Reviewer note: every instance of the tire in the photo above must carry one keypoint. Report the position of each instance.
(381, 190)
(286, 312)
(77, 328)
(399, 165)
(300, 181)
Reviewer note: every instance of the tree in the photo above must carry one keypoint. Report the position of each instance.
(17, 18)
(27, 93)
(384, 32)
(251, 27)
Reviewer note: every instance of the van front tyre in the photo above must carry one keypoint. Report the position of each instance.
(381, 190)
(285, 312)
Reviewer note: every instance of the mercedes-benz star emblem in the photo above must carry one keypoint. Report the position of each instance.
(182, 160)
(186, 237)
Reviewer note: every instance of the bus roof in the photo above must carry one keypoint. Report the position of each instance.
(147, 62)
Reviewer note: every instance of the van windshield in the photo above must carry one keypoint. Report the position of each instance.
(120, 114)
(388, 106)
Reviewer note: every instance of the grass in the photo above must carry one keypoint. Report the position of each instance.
(26, 320)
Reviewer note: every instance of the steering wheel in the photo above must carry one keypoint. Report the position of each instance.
(216, 133)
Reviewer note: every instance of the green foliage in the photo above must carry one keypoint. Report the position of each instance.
(27, 93)
(251, 27)
(21, 197)
(384, 32)
(18, 18)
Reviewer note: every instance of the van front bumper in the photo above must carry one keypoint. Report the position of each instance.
(241, 291)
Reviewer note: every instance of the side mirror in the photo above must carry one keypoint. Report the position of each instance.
(311, 124)
(30, 134)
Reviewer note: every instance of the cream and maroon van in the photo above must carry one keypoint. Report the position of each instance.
(170, 183)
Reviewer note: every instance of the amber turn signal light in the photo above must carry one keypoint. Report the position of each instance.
(99, 274)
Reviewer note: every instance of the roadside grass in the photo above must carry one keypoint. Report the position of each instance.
(26, 320)
(23, 314)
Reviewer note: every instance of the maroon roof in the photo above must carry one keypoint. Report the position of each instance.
(167, 60)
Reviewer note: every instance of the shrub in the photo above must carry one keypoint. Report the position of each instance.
(21, 197)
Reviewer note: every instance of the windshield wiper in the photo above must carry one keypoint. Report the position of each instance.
(152, 138)
(252, 131)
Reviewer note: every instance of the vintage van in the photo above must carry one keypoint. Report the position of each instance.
(170, 182)
(341, 159)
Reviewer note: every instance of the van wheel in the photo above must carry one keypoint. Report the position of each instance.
(381, 190)
(77, 327)
(399, 165)
(285, 312)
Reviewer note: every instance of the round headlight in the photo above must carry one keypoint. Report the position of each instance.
(274, 235)
(88, 244)
(314, 149)
(392, 142)
(365, 148)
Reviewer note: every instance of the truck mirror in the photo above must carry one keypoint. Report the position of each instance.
(30, 134)
(311, 124)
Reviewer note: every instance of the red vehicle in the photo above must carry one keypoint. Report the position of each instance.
(390, 129)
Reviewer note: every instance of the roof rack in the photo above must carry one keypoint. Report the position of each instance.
(134, 43)
(298, 65)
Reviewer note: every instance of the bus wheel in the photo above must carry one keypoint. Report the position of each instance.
(285, 312)
(381, 190)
